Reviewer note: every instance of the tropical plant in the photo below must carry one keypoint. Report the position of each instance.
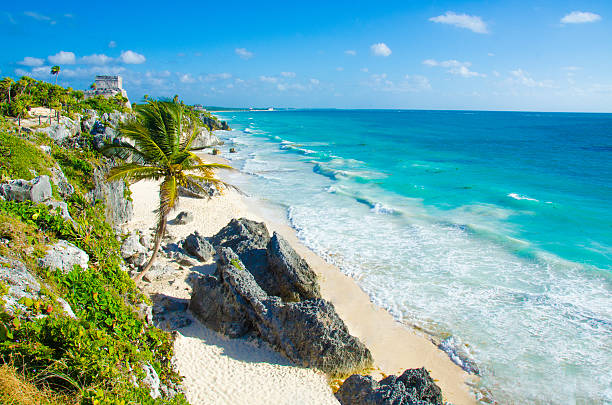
(162, 137)
(55, 70)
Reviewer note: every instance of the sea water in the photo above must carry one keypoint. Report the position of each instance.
(490, 229)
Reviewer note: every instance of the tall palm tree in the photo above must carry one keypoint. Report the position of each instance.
(55, 70)
(162, 138)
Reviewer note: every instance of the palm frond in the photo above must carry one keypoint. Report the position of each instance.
(124, 151)
(134, 172)
(168, 196)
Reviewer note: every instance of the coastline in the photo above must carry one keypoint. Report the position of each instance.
(394, 346)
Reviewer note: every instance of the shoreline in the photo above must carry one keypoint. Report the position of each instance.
(394, 346)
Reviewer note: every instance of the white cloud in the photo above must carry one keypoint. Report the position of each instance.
(68, 15)
(62, 58)
(340, 69)
(470, 22)
(524, 78)
(268, 79)
(186, 78)
(350, 52)
(496, 73)
(314, 81)
(455, 67)
(132, 58)
(37, 16)
(243, 53)
(31, 61)
(288, 74)
(409, 83)
(43, 72)
(364, 70)
(580, 17)
(293, 86)
(96, 59)
(490, 54)
(112, 44)
(216, 76)
(380, 49)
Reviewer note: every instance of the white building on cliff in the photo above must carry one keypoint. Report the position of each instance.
(107, 86)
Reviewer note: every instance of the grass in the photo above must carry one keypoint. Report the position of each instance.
(15, 389)
(18, 157)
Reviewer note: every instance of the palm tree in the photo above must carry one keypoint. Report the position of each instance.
(162, 138)
(55, 70)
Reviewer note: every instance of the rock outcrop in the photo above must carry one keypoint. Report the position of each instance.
(309, 333)
(295, 280)
(22, 285)
(119, 208)
(205, 190)
(205, 139)
(64, 255)
(131, 246)
(197, 246)
(413, 387)
(249, 240)
(183, 218)
(36, 190)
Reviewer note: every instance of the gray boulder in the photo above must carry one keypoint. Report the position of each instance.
(248, 239)
(205, 190)
(64, 255)
(158, 271)
(295, 280)
(183, 218)
(196, 245)
(64, 188)
(309, 333)
(20, 281)
(36, 190)
(413, 387)
(61, 208)
(131, 246)
(22, 284)
(118, 208)
(227, 301)
(58, 132)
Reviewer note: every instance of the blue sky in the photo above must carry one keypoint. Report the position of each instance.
(492, 55)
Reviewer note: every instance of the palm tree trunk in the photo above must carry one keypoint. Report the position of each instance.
(161, 229)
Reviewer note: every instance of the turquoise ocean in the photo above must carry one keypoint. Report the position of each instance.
(490, 230)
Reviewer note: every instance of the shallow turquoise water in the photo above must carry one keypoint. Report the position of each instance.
(495, 227)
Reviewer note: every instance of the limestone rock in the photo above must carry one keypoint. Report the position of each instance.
(226, 302)
(64, 188)
(158, 271)
(36, 190)
(20, 281)
(197, 246)
(151, 380)
(414, 386)
(22, 284)
(205, 139)
(64, 255)
(131, 246)
(183, 218)
(205, 190)
(61, 208)
(118, 208)
(295, 280)
(248, 239)
(309, 332)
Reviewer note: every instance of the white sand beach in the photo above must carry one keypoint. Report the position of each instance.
(218, 370)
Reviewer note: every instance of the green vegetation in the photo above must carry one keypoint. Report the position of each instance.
(162, 136)
(17, 98)
(20, 157)
(46, 356)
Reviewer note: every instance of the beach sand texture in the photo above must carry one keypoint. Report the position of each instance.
(218, 370)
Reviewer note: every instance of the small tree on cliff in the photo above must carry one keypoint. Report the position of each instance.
(55, 70)
(162, 139)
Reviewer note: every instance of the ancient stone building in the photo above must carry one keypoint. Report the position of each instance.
(107, 86)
